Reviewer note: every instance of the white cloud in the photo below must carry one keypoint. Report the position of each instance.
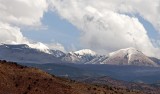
(17, 13)
(14, 13)
(22, 12)
(56, 46)
(106, 26)
(149, 10)
(10, 34)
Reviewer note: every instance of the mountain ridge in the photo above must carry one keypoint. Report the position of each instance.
(24, 53)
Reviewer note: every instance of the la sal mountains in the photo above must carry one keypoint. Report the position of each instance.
(22, 53)
(93, 71)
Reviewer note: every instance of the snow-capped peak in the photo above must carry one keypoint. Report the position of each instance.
(128, 51)
(130, 56)
(40, 46)
(85, 52)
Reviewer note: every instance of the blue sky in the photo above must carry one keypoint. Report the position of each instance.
(151, 31)
(58, 31)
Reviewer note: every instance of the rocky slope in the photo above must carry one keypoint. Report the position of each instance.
(79, 57)
(147, 88)
(17, 79)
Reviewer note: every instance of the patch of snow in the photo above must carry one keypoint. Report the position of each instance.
(85, 52)
(40, 46)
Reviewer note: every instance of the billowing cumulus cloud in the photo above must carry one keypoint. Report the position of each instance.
(14, 13)
(149, 10)
(17, 13)
(22, 12)
(56, 46)
(106, 25)
(10, 34)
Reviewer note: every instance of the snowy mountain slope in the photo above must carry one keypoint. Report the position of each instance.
(97, 60)
(71, 58)
(129, 56)
(40, 46)
(80, 57)
(156, 60)
(24, 53)
(85, 52)
(57, 53)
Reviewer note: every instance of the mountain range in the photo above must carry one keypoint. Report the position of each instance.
(127, 64)
(22, 53)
